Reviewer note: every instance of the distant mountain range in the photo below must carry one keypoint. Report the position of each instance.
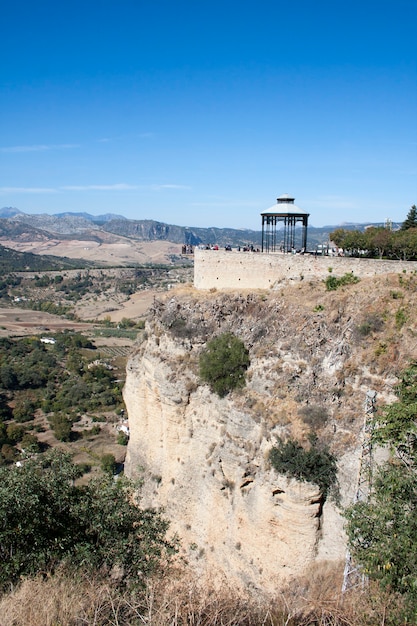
(14, 224)
(97, 219)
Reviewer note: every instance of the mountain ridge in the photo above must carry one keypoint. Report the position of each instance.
(17, 224)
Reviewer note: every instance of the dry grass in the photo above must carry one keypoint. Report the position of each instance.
(315, 600)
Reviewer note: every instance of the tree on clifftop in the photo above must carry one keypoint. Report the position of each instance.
(411, 219)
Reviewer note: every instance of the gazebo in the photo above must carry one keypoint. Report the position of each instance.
(284, 239)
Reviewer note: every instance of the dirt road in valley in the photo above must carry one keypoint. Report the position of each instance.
(16, 321)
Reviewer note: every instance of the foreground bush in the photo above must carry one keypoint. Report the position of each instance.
(46, 520)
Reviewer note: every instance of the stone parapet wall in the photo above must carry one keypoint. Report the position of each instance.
(255, 270)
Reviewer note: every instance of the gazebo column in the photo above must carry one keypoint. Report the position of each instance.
(305, 234)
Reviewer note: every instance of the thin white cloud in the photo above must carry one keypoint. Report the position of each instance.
(121, 187)
(110, 187)
(232, 204)
(115, 187)
(27, 190)
(39, 147)
(168, 186)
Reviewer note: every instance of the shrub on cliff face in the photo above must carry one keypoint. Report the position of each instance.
(371, 323)
(332, 282)
(314, 465)
(223, 364)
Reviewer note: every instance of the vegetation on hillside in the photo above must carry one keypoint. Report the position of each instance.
(47, 520)
(7, 283)
(65, 292)
(57, 378)
(13, 261)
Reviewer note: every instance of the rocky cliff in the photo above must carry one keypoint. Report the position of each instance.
(314, 355)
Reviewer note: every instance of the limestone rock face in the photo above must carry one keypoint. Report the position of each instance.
(204, 459)
(204, 462)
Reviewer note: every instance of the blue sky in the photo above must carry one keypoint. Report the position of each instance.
(201, 113)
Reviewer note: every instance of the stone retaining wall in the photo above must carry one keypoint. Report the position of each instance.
(255, 270)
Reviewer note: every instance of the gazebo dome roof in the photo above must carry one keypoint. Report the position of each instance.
(285, 206)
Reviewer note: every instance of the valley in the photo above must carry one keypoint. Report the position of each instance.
(316, 347)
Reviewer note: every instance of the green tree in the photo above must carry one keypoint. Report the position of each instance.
(75, 362)
(8, 452)
(46, 519)
(382, 531)
(3, 434)
(15, 433)
(24, 409)
(353, 241)
(223, 363)
(8, 378)
(338, 236)
(5, 410)
(379, 241)
(122, 438)
(126, 322)
(404, 244)
(411, 219)
(61, 425)
(108, 463)
(30, 444)
(25, 364)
